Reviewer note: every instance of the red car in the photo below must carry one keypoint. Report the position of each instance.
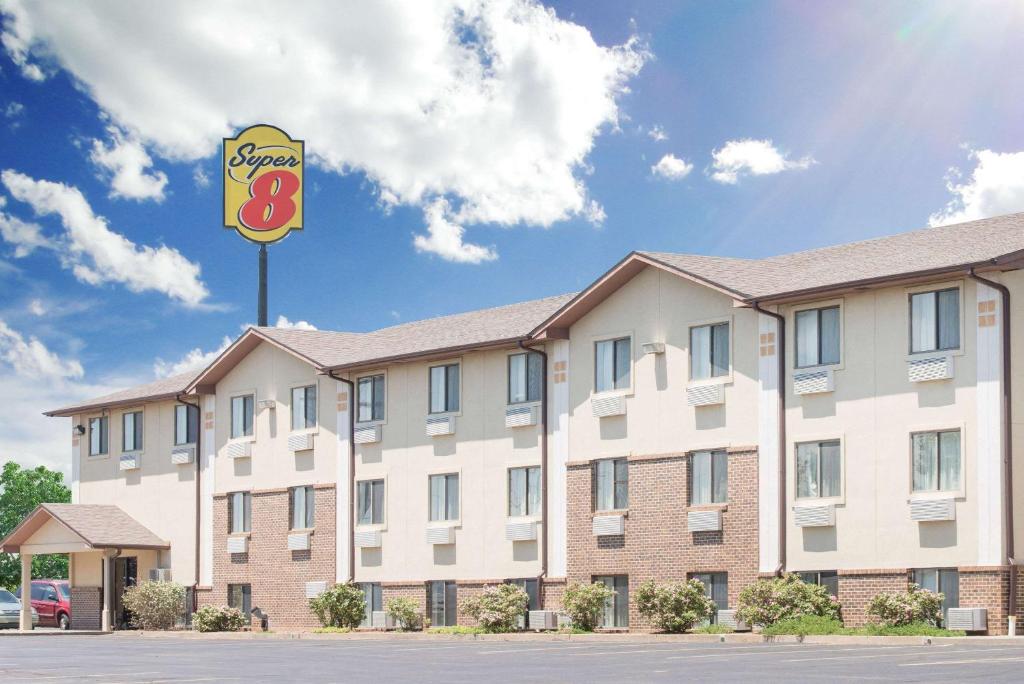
(52, 600)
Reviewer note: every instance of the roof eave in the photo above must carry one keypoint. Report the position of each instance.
(429, 354)
(70, 411)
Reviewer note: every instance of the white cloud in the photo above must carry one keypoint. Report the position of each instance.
(37, 308)
(195, 359)
(31, 359)
(127, 163)
(26, 237)
(657, 133)
(491, 106)
(283, 322)
(16, 38)
(738, 158)
(995, 186)
(96, 254)
(200, 177)
(14, 110)
(672, 167)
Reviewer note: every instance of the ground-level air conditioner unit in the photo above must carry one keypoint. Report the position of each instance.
(160, 575)
(238, 544)
(130, 461)
(705, 395)
(609, 525)
(543, 619)
(815, 382)
(727, 618)
(314, 589)
(967, 619)
(368, 539)
(440, 425)
(381, 619)
(300, 442)
(814, 516)
(183, 455)
(239, 449)
(521, 530)
(704, 521)
(935, 368)
(299, 541)
(366, 434)
(520, 416)
(441, 535)
(604, 407)
(932, 510)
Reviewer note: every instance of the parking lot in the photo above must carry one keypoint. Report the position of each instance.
(166, 659)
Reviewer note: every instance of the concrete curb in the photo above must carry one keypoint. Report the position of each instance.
(52, 632)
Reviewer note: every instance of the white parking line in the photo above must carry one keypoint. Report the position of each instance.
(1013, 659)
(896, 655)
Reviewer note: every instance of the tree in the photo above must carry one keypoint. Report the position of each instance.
(21, 490)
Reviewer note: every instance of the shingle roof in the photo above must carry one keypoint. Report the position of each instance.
(164, 388)
(101, 526)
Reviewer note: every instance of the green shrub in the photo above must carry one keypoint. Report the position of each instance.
(343, 605)
(456, 629)
(767, 601)
(155, 605)
(894, 609)
(676, 606)
(584, 604)
(712, 629)
(497, 608)
(913, 629)
(402, 609)
(218, 619)
(332, 630)
(805, 624)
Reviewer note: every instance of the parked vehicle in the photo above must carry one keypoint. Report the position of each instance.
(52, 600)
(10, 611)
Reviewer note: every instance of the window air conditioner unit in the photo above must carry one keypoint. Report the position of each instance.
(367, 434)
(160, 575)
(298, 541)
(704, 521)
(300, 442)
(184, 454)
(814, 516)
(521, 530)
(935, 368)
(653, 347)
(239, 449)
(727, 618)
(368, 539)
(603, 407)
(931, 510)
(967, 619)
(441, 535)
(131, 461)
(543, 619)
(381, 619)
(238, 544)
(314, 589)
(440, 425)
(609, 525)
(267, 404)
(705, 395)
(816, 382)
(520, 416)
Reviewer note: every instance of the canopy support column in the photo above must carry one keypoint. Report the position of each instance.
(108, 593)
(25, 624)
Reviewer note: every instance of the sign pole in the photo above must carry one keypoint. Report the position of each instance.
(261, 313)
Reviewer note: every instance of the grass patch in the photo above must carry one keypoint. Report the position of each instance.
(456, 630)
(712, 629)
(332, 630)
(815, 625)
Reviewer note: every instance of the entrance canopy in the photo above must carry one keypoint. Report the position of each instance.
(69, 528)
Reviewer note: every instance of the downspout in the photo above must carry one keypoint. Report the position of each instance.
(780, 346)
(198, 460)
(351, 474)
(1007, 429)
(543, 468)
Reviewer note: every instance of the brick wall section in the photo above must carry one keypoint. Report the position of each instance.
(857, 587)
(987, 588)
(86, 608)
(657, 544)
(417, 591)
(552, 591)
(278, 576)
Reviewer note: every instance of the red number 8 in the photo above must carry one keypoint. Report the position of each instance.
(271, 205)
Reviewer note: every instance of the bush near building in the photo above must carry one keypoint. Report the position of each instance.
(402, 610)
(218, 619)
(768, 601)
(343, 605)
(155, 605)
(676, 606)
(915, 605)
(584, 604)
(498, 608)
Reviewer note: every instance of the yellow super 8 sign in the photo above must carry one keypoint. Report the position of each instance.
(263, 183)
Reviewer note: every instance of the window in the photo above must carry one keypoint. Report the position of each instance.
(186, 424)
(530, 586)
(240, 512)
(709, 351)
(444, 497)
(824, 578)
(131, 431)
(371, 502)
(524, 491)
(444, 388)
(374, 601)
(935, 320)
(240, 597)
(303, 504)
(303, 407)
(945, 581)
(241, 416)
(709, 477)
(818, 470)
(716, 588)
(612, 488)
(371, 398)
(525, 376)
(616, 608)
(817, 337)
(936, 457)
(442, 604)
(613, 360)
(98, 431)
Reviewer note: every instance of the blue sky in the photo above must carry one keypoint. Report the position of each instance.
(845, 120)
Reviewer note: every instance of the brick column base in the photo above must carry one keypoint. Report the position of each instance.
(86, 607)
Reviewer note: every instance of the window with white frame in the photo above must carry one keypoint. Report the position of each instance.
(818, 470)
(303, 505)
(240, 512)
(524, 491)
(613, 362)
(186, 424)
(304, 407)
(370, 395)
(935, 320)
(99, 431)
(709, 351)
(131, 431)
(525, 373)
(817, 337)
(241, 415)
(936, 461)
(444, 388)
(611, 487)
(370, 508)
(709, 477)
(444, 497)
